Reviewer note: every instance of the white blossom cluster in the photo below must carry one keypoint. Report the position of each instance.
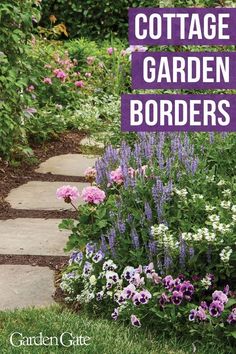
(182, 193)
(225, 254)
(162, 234)
(201, 234)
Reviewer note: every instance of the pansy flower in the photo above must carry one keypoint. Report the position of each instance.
(135, 321)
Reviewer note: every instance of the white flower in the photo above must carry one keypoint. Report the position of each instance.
(211, 237)
(109, 265)
(197, 196)
(214, 218)
(223, 228)
(226, 193)
(233, 209)
(225, 204)
(234, 217)
(210, 207)
(93, 280)
(187, 236)
(221, 183)
(210, 178)
(206, 282)
(158, 230)
(181, 192)
(225, 254)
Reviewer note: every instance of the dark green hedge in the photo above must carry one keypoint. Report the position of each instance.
(93, 17)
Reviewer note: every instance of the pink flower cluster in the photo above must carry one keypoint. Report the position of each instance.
(67, 193)
(116, 176)
(93, 195)
(60, 74)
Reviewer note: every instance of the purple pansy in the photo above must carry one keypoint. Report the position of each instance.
(135, 321)
(216, 308)
(177, 297)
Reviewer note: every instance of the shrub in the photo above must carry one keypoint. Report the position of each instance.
(16, 24)
(93, 17)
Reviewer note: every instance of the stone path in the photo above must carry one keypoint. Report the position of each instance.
(26, 285)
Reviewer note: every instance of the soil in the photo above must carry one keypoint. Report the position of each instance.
(12, 176)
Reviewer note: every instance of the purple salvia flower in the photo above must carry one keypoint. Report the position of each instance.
(103, 244)
(148, 211)
(112, 239)
(135, 239)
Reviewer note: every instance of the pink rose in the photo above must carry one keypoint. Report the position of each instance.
(67, 193)
(93, 195)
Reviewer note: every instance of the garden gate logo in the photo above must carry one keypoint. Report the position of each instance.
(66, 339)
(181, 70)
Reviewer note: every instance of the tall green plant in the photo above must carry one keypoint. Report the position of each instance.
(16, 19)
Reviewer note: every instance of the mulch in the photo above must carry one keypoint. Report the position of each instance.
(14, 176)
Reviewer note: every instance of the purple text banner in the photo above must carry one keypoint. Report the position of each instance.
(182, 26)
(185, 70)
(150, 113)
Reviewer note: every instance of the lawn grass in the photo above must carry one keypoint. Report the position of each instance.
(106, 337)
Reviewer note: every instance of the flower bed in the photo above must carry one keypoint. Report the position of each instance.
(164, 212)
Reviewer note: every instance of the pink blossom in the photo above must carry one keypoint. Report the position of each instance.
(79, 84)
(30, 88)
(67, 193)
(47, 80)
(117, 176)
(88, 74)
(90, 60)
(60, 74)
(111, 50)
(90, 174)
(93, 195)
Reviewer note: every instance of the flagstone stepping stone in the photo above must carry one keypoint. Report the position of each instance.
(38, 195)
(67, 165)
(25, 286)
(32, 237)
(90, 142)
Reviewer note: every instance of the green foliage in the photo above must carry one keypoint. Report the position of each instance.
(93, 17)
(16, 25)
